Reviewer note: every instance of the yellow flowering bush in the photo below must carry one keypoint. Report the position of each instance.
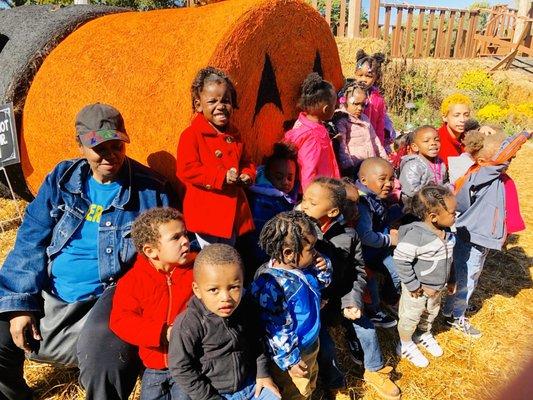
(492, 113)
(479, 81)
(522, 113)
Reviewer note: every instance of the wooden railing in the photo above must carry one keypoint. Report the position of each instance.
(424, 31)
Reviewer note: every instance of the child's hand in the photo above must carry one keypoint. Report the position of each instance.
(267, 383)
(320, 262)
(429, 292)
(169, 331)
(299, 370)
(245, 179)
(231, 176)
(393, 237)
(417, 293)
(352, 313)
(452, 288)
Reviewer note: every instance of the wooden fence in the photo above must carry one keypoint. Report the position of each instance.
(424, 31)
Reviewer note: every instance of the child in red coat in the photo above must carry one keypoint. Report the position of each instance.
(212, 164)
(151, 294)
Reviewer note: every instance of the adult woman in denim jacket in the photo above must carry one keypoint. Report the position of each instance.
(57, 284)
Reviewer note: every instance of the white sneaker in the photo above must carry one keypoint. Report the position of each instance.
(413, 354)
(429, 343)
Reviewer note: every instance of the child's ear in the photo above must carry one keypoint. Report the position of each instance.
(334, 212)
(198, 105)
(363, 179)
(433, 217)
(288, 255)
(196, 290)
(150, 251)
(414, 148)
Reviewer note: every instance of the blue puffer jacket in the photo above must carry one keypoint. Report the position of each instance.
(56, 213)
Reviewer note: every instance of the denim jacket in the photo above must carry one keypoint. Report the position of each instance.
(56, 213)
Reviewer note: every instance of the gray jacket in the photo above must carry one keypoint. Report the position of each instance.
(481, 204)
(422, 258)
(415, 172)
(210, 355)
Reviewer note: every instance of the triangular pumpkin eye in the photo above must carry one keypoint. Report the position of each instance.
(268, 88)
(317, 66)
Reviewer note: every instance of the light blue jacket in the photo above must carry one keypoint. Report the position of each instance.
(56, 213)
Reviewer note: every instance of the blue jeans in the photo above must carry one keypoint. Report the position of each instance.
(159, 385)
(468, 263)
(365, 331)
(329, 371)
(247, 393)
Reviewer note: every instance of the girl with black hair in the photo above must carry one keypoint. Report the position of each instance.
(309, 135)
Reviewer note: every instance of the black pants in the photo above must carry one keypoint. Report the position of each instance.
(108, 366)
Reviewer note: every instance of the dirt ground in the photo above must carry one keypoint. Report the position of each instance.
(469, 369)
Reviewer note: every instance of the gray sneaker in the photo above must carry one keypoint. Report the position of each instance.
(463, 325)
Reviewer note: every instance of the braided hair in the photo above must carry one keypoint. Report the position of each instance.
(351, 86)
(286, 230)
(315, 91)
(429, 199)
(211, 75)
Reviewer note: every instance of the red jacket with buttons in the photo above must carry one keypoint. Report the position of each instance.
(145, 303)
(210, 205)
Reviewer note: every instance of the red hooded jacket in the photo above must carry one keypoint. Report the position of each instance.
(145, 303)
(204, 156)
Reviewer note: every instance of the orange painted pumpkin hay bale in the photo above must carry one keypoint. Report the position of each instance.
(144, 62)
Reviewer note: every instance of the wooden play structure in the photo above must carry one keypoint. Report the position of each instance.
(438, 32)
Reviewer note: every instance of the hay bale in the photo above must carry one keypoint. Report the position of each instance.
(144, 63)
(27, 35)
(348, 48)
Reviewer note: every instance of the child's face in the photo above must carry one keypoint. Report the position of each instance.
(427, 143)
(364, 75)
(456, 118)
(219, 287)
(173, 245)
(317, 203)
(379, 179)
(445, 217)
(356, 103)
(327, 109)
(282, 174)
(306, 257)
(216, 104)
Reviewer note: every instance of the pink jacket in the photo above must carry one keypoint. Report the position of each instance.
(375, 111)
(315, 152)
(358, 139)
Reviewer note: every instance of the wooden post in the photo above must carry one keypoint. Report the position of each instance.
(373, 19)
(354, 18)
(342, 20)
(386, 24)
(449, 33)
(397, 33)
(429, 34)
(525, 9)
(419, 33)
(440, 35)
(408, 26)
(459, 45)
(472, 30)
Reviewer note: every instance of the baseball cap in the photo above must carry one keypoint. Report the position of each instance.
(97, 123)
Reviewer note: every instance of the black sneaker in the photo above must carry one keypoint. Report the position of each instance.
(382, 320)
(356, 351)
(463, 325)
